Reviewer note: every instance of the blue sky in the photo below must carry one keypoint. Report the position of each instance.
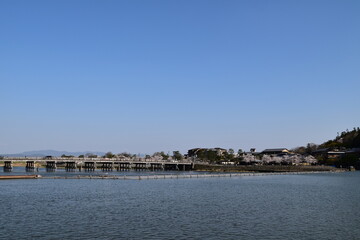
(146, 76)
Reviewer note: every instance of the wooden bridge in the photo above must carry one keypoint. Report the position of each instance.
(73, 164)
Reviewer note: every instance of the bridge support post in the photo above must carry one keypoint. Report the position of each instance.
(50, 166)
(156, 166)
(30, 166)
(107, 166)
(70, 166)
(90, 166)
(8, 166)
(140, 166)
(124, 166)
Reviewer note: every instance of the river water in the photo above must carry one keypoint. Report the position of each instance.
(309, 206)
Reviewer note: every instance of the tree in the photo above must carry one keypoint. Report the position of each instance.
(240, 152)
(310, 147)
(81, 156)
(124, 154)
(266, 159)
(177, 155)
(212, 156)
(310, 159)
(248, 158)
(299, 150)
(109, 155)
(229, 155)
(164, 156)
(161, 155)
(156, 154)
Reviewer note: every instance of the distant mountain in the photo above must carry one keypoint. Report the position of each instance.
(43, 153)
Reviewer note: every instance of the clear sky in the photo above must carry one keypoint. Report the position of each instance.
(146, 76)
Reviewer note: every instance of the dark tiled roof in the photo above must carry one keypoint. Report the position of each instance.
(321, 150)
(275, 150)
(353, 150)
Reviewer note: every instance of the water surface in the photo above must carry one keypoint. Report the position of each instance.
(309, 206)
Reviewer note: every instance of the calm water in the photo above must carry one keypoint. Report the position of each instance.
(61, 172)
(311, 206)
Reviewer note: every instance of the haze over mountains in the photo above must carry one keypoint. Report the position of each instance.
(43, 153)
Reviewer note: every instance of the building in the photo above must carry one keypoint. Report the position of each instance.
(277, 151)
(334, 155)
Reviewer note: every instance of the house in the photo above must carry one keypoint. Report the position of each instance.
(321, 152)
(353, 150)
(277, 151)
(334, 155)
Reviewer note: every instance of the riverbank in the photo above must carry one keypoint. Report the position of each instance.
(183, 176)
(200, 174)
(231, 168)
(265, 168)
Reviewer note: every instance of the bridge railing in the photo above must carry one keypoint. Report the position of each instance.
(149, 160)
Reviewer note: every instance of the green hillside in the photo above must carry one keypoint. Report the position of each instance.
(347, 139)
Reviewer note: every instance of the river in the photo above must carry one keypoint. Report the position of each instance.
(305, 206)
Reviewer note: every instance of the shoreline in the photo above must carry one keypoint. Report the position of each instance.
(165, 176)
(265, 168)
(236, 168)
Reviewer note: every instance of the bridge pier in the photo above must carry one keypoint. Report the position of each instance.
(70, 166)
(140, 166)
(8, 166)
(107, 166)
(30, 166)
(50, 166)
(181, 167)
(170, 167)
(156, 166)
(90, 166)
(123, 166)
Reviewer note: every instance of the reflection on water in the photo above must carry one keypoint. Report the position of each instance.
(62, 172)
(311, 206)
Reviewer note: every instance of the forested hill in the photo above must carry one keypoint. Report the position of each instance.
(346, 139)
